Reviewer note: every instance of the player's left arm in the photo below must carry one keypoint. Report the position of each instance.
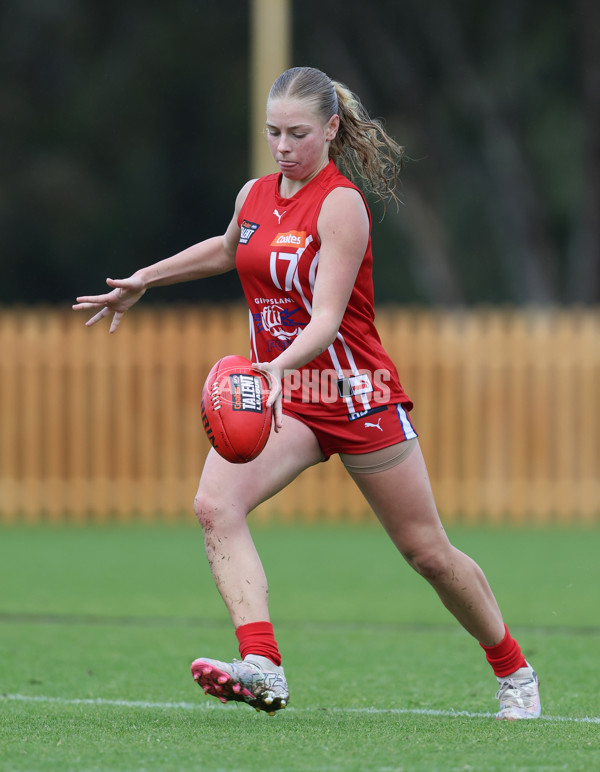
(343, 230)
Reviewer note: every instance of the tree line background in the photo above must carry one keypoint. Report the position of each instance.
(125, 139)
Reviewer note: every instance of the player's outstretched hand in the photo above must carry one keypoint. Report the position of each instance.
(125, 293)
(274, 375)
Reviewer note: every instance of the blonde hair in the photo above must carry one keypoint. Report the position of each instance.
(362, 148)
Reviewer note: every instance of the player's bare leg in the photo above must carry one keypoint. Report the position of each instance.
(226, 494)
(403, 501)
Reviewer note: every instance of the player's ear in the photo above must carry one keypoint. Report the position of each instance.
(331, 129)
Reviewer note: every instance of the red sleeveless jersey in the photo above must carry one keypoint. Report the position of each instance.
(278, 260)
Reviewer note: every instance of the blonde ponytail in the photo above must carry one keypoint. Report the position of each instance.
(362, 149)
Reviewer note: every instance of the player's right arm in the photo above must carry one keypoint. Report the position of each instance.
(207, 258)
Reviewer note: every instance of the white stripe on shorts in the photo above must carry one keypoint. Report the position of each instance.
(407, 427)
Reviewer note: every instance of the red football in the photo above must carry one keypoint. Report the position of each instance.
(234, 413)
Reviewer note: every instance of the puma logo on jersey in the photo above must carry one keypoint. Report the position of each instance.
(368, 424)
(278, 216)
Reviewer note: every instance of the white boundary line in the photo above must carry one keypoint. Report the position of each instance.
(210, 706)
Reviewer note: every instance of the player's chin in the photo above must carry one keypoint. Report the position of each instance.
(290, 169)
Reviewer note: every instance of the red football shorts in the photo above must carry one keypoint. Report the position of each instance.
(381, 427)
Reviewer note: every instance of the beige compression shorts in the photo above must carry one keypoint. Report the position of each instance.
(378, 460)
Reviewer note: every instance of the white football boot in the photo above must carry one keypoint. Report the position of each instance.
(254, 680)
(519, 695)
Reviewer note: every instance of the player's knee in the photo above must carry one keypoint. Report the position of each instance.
(204, 508)
(216, 511)
(430, 564)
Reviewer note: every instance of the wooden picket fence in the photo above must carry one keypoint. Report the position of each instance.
(98, 427)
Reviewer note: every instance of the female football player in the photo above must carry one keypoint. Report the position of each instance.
(300, 241)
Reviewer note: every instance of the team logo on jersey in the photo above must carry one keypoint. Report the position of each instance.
(248, 230)
(296, 239)
(278, 322)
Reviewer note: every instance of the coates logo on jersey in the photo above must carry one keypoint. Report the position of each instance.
(248, 229)
(295, 239)
(246, 392)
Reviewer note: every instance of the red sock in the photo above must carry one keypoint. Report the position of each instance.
(506, 656)
(258, 638)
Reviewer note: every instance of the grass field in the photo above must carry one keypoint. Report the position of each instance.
(98, 626)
